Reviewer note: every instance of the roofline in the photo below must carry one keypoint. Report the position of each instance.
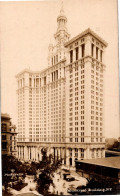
(27, 71)
(7, 116)
(38, 72)
(87, 31)
(84, 161)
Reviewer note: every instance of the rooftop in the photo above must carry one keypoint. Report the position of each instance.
(87, 31)
(113, 162)
(38, 72)
(113, 152)
(5, 115)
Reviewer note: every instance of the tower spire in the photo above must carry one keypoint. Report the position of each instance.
(62, 34)
(62, 10)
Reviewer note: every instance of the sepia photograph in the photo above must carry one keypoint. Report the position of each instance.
(60, 112)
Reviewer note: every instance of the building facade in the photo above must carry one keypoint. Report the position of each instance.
(8, 136)
(62, 107)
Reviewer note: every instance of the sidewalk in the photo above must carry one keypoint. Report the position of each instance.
(62, 185)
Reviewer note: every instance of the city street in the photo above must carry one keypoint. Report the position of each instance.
(61, 185)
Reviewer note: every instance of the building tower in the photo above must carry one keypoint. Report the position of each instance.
(41, 99)
(62, 107)
(57, 52)
(85, 94)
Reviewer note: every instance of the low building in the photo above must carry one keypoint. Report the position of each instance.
(111, 153)
(8, 136)
(104, 168)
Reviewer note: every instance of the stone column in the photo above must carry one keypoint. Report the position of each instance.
(74, 55)
(99, 153)
(103, 56)
(73, 157)
(103, 153)
(58, 153)
(79, 53)
(85, 153)
(28, 153)
(37, 153)
(94, 52)
(88, 47)
(79, 154)
(25, 153)
(56, 156)
(88, 155)
(48, 151)
(67, 157)
(33, 153)
(52, 151)
(62, 155)
(40, 153)
(21, 152)
(98, 54)
(95, 153)
(18, 151)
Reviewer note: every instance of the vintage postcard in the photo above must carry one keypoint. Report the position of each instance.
(60, 131)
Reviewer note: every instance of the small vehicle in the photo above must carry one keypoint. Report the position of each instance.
(70, 178)
(81, 187)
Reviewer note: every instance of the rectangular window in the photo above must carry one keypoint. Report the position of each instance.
(76, 51)
(71, 56)
(52, 76)
(96, 52)
(44, 80)
(101, 55)
(3, 137)
(83, 50)
(56, 74)
(30, 82)
(4, 127)
(82, 153)
(76, 140)
(37, 82)
(92, 49)
(4, 145)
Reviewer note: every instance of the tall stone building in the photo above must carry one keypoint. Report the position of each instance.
(62, 107)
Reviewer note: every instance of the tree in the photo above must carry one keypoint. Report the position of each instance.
(111, 143)
(45, 178)
(12, 171)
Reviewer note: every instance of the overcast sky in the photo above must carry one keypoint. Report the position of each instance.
(27, 28)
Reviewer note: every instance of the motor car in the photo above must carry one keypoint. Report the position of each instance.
(70, 178)
(81, 187)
